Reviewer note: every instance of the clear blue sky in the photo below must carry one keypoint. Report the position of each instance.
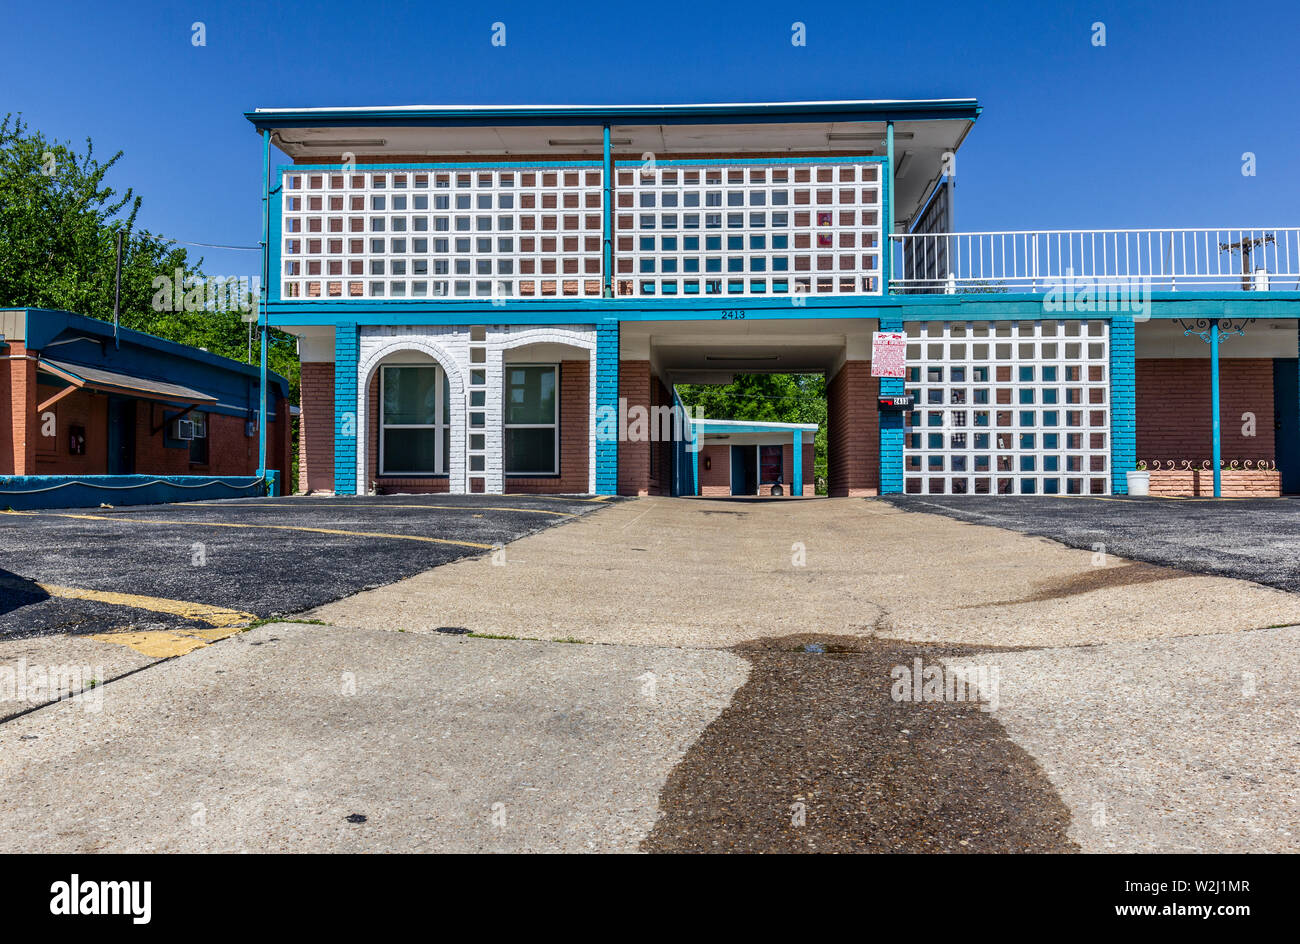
(1145, 132)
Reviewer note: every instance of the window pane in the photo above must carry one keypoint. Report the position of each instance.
(530, 450)
(410, 450)
(530, 395)
(409, 395)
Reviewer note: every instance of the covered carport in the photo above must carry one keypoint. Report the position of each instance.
(654, 356)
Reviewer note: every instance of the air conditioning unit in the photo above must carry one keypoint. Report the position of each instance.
(183, 429)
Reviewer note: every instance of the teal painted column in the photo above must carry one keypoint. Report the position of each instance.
(262, 319)
(695, 466)
(346, 349)
(1123, 402)
(608, 220)
(798, 463)
(892, 430)
(1214, 406)
(606, 412)
(887, 211)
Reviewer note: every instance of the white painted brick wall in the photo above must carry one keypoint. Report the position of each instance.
(450, 346)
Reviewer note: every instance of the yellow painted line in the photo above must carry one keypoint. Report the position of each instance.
(526, 511)
(156, 644)
(268, 527)
(162, 644)
(217, 616)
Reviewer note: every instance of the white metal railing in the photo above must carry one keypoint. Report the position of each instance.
(1250, 259)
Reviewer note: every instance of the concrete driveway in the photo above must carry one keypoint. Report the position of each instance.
(752, 681)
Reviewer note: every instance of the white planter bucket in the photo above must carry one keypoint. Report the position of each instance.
(1139, 482)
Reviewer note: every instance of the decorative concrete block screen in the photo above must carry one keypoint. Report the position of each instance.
(1008, 408)
(748, 229)
(444, 231)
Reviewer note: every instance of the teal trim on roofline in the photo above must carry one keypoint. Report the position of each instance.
(469, 115)
(985, 307)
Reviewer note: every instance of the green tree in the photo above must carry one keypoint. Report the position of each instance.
(59, 219)
(777, 398)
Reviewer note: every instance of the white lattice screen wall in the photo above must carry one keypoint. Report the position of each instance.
(530, 232)
(748, 229)
(1012, 408)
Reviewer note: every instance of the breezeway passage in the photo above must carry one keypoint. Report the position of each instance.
(224, 564)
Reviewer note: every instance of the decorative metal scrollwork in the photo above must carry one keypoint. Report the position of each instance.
(1207, 465)
(1228, 327)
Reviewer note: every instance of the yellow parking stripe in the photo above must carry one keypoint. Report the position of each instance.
(269, 527)
(526, 511)
(218, 616)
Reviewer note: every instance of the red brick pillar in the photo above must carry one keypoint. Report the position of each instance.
(316, 428)
(633, 457)
(21, 426)
(853, 431)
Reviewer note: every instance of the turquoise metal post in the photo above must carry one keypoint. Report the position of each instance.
(1214, 403)
(887, 250)
(609, 218)
(797, 488)
(695, 463)
(262, 319)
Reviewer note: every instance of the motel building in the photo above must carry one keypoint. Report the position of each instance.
(489, 299)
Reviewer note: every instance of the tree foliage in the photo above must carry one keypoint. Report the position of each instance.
(59, 218)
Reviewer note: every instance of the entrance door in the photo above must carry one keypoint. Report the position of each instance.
(1286, 422)
(744, 470)
(121, 436)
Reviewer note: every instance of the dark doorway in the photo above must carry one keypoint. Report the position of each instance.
(121, 436)
(1286, 422)
(744, 470)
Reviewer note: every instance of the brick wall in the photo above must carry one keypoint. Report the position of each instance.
(18, 433)
(853, 431)
(1238, 483)
(634, 457)
(1173, 408)
(231, 451)
(715, 475)
(661, 449)
(53, 453)
(316, 428)
(575, 417)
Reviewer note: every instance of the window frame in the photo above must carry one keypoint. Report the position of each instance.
(441, 423)
(554, 426)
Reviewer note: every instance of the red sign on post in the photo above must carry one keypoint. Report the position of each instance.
(888, 349)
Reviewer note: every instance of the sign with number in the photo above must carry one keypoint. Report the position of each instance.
(887, 353)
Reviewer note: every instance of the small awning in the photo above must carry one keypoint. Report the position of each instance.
(82, 377)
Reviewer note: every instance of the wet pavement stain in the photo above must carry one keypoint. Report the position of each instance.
(1097, 578)
(814, 755)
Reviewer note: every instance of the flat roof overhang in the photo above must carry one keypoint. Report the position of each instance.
(924, 130)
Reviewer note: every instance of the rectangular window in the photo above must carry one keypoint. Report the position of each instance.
(532, 419)
(415, 419)
(199, 442)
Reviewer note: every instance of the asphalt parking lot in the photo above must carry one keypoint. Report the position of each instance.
(1248, 539)
(226, 563)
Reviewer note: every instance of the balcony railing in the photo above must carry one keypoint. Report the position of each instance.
(1259, 259)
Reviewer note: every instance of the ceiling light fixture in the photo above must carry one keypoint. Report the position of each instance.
(742, 357)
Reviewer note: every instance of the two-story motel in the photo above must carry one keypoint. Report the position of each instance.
(477, 290)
